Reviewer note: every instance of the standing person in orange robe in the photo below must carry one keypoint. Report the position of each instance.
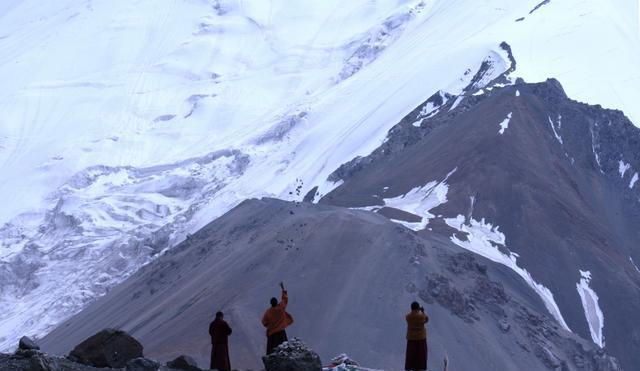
(219, 330)
(416, 356)
(276, 319)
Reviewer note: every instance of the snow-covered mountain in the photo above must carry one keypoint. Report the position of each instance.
(126, 126)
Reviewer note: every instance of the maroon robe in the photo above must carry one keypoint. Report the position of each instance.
(416, 356)
(220, 331)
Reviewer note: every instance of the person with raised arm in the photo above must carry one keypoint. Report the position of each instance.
(276, 320)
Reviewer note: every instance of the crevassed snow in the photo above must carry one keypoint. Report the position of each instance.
(482, 238)
(141, 85)
(553, 127)
(623, 167)
(592, 310)
(504, 125)
(633, 181)
(379, 40)
(86, 242)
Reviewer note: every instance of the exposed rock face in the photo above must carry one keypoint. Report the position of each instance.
(184, 363)
(107, 348)
(292, 355)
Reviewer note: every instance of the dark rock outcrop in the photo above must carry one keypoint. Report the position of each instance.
(27, 344)
(292, 355)
(184, 363)
(108, 348)
(142, 364)
(33, 360)
(108, 344)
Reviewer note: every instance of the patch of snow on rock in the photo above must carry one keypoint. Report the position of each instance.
(482, 239)
(504, 125)
(592, 310)
(622, 168)
(418, 201)
(634, 264)
(594, 149)
(633, 180)
(456, 103)
(344, 363)
(553, 127)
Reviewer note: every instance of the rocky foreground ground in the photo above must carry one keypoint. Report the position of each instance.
(116, 350)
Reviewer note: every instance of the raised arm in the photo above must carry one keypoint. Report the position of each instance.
(426, 317)
(284, 300)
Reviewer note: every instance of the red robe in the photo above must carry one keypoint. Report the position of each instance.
(220, 331)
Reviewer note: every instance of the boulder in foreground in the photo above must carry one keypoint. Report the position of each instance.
(27, 344)
(108, 348)
(292, 355)
(184, 363)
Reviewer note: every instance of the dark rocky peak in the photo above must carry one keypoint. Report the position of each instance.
(489, 75)
(557, 178)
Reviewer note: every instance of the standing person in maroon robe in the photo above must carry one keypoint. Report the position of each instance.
(416, 356)
(220, 331)
(276, 319)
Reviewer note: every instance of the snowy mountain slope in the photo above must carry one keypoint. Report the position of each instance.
(351, 276)
(135, 93)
